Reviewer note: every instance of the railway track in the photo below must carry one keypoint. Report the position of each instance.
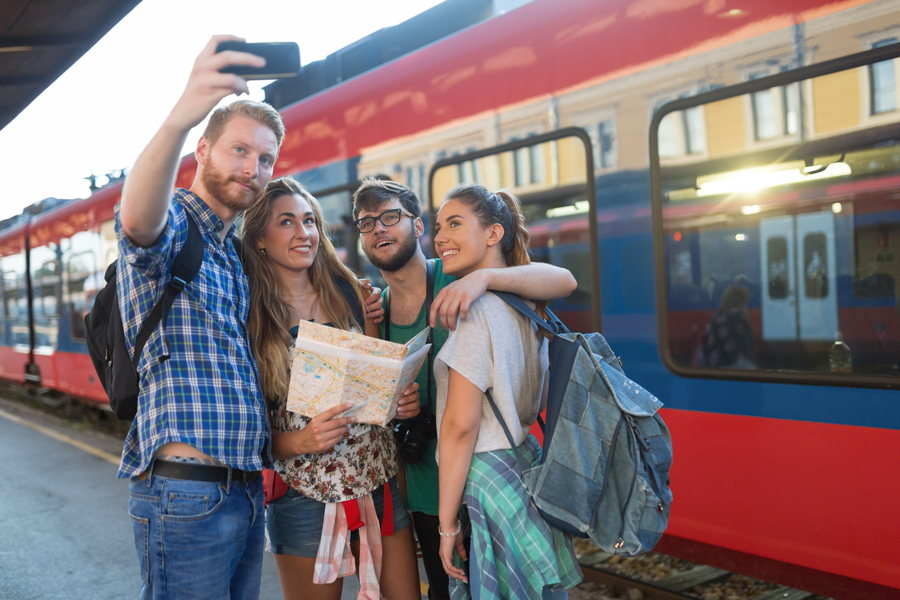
(661, 577)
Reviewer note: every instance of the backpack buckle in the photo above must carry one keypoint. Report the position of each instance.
(177, 284)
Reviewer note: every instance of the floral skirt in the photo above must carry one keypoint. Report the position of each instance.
(514, 553)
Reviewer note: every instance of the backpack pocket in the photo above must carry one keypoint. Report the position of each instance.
(645, 518)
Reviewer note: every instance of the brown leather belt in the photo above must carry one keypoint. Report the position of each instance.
(195, 472)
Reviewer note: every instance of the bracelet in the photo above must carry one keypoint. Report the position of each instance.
(454, 534)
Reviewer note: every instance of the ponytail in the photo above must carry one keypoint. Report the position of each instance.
(515, 234)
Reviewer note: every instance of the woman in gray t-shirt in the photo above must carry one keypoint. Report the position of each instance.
(514, 552)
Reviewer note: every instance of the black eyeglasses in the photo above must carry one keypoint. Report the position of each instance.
(387, 218)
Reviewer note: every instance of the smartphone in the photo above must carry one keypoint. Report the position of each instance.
(282, 59)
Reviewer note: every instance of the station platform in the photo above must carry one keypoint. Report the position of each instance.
(65, 533)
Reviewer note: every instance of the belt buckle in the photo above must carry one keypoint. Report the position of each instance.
(240, 475)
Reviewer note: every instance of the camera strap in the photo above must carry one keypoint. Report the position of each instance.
(429, 297)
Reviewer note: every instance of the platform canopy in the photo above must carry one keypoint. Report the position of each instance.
(40, 39)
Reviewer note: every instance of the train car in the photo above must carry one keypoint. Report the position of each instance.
(723, 179)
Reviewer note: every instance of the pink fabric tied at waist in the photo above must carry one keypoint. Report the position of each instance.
(335, 559)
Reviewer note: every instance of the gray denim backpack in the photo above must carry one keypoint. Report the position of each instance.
(604, 471)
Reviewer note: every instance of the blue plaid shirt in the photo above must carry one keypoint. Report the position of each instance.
(207, 394)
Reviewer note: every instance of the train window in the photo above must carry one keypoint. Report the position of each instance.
(883, 82)
(84, 283)
(10, 296)
(552, 175)
(815, 265)
(605, 139)
(49, 277)
(777, 261)
(774, 260)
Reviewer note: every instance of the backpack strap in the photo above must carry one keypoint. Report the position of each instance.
(429, 297)
(512, 443)
(238, 246)
(184, 268)
(551, 325)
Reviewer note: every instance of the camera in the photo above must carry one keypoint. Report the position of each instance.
(414, 435)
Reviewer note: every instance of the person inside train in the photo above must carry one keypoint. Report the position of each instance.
(496, 349)
(729, 339)
(388, 217)
(330, 462)
(201, 436)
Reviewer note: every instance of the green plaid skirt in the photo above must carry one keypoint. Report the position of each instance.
(514, 553)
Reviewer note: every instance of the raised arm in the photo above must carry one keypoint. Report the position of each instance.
(537, 281)
(148, 188)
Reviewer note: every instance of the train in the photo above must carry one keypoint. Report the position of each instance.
(674, 156)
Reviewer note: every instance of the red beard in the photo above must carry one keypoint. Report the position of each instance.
(218, 186)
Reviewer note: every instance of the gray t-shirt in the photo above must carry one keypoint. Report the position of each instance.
(496, 349)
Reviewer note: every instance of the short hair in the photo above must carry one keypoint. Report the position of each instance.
(260, 112)
(373, 192)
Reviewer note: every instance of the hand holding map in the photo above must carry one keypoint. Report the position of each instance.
(331, 366)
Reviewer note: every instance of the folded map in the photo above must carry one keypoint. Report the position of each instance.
(331, 366)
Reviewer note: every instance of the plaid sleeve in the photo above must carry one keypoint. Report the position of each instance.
(153, 260)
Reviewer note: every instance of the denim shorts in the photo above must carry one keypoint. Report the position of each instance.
(294, 521)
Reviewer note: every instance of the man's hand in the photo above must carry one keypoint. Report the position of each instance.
(410, 403)
(454, 300)
(206, 86)
(374, 304)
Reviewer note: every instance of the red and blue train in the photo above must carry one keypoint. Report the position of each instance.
(668, 154)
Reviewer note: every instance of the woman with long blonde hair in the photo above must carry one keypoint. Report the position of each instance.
(329, 462)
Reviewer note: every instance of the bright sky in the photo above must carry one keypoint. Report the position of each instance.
(101, 113)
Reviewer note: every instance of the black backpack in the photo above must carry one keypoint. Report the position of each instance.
(105, 335)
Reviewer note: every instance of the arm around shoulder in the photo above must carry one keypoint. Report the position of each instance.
(537, 281)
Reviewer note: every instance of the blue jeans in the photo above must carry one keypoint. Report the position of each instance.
(198, 539)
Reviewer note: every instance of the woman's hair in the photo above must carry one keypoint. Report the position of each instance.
(734, 297)
(270, 316)
(503, 208)
(499, 208)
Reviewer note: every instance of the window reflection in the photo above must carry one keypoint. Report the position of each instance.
(777, 267)
(783, 256)
(815, 265)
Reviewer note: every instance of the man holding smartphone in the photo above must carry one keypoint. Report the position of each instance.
(201, 436)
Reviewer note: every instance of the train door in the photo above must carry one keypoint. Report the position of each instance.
(797, 259)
